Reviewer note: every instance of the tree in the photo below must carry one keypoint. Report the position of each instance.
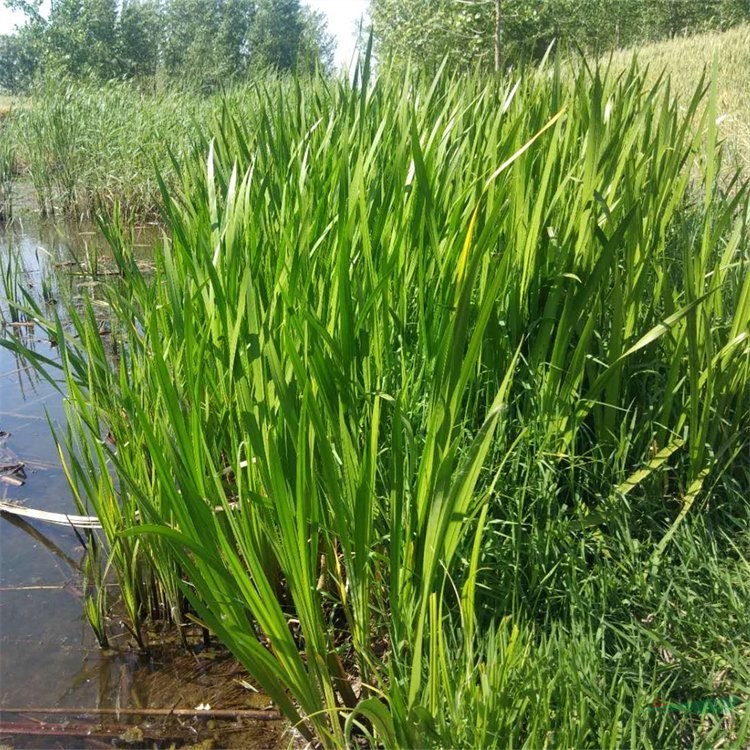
(465, 32)
(493, 33)
(206, 42)
(63, 41)
(277, 34)
(202, 43)
(189, 29)
(139, 38)
(78, 38)
(235, 22)
(18, 62)
(415, 30)
(316, 45)
(98, 29)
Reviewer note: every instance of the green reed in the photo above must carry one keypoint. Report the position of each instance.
(8, 170)
(415, 355)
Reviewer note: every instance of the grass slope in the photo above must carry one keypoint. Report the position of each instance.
(7, 103)
(685, 59)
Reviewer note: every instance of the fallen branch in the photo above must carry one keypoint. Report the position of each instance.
(210, 713)
(57, 730)
(12, 480)
(87, 730)
(60, 519)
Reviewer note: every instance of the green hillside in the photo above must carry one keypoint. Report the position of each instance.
(685, 58)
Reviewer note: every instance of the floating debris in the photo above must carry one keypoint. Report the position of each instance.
(11, 467)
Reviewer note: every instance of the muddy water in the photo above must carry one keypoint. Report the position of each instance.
(48, 655)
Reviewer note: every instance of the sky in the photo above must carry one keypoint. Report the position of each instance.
(343, 17)
(8, 19)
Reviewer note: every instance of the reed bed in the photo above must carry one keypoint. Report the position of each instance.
(83, 147)
(8, 171)
(435, 408)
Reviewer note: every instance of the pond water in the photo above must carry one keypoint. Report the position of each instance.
(49, 657)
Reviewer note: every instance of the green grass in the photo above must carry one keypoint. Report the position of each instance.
(8, 172)
(84, 147)
(8, 156)
(435, 409)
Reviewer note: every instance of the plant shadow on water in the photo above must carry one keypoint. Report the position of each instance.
(49, 657)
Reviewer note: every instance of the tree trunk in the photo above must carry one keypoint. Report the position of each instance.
(498, 32)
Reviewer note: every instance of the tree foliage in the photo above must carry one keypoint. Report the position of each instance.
(465, 32)
(139, 38)
(17, 63)
(200, 43)
(280, 50)
(316, 45)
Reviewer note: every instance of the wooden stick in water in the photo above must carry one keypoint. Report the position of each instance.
(60, 519)
(210, 713)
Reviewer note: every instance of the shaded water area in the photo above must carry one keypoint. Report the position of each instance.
(49, 657)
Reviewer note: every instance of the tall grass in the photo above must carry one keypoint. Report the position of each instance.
(8, 170)
(430, 378)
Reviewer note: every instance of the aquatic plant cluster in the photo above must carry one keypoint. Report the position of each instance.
(83, 146)
(435, 409)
